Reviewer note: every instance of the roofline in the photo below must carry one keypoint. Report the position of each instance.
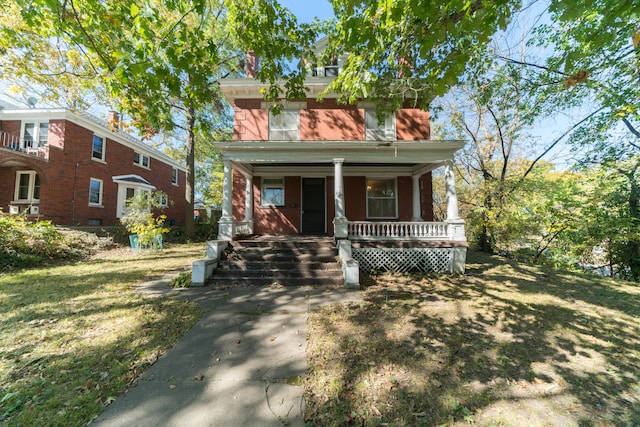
(89, 121)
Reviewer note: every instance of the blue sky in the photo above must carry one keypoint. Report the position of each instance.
(306, 10)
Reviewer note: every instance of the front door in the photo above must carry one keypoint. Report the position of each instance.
(313, 206)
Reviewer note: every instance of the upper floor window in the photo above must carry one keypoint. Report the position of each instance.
(379, 131)
(27, 186)
(95, 192)
(35, 134)
(272, 193)
(97, 149)
(174, 176)
(284, 126)
(140, 159)
(381, 198)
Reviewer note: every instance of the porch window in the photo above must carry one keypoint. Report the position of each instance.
(272, 193)
(35, 134)
(27, 186)
(284, 126)
(95, 192)
(381, 198)
(97, 149)
(128, 187)
(376, 131)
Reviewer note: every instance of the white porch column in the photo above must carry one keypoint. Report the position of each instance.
(248, 203)
(340, 221)
(417, 215)
(248, 199)
(225, 224)
(456, 224)
(452, 195)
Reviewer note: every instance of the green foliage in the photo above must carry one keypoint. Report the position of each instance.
(181, 280)
(139, 219)
(27, 244)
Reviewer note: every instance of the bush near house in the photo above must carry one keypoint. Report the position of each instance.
(26, 244)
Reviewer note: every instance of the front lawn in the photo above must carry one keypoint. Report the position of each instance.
(73, 337)
(506, 345)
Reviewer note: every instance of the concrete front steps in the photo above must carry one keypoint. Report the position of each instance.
(285, 261)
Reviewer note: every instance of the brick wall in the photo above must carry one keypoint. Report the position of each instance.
(65, 177)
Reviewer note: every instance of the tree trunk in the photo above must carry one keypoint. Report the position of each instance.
(189, 226)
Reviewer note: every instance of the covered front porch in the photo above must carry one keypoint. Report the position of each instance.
(344, 172)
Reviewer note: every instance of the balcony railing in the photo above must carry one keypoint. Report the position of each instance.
(32, 148)
(366, 230)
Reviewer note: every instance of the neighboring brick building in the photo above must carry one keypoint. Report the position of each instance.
(74, 169)
(330, 169)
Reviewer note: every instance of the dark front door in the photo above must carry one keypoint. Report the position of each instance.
(313, 206)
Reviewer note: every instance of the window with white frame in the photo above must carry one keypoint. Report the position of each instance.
(95, 192)
(272, 193)
(174, 176)
(379, 131)
(284, 126)
(34, 134)
(98, 148)
(27, 186)
(140, 159)
(163, 199)
(382, 199)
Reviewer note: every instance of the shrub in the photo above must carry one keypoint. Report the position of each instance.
(26, 244)
(139, 219)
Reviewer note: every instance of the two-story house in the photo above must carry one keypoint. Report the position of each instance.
(323, 168)
(75, 169)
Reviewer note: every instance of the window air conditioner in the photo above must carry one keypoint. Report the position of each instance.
(14, 210)
(35, 210)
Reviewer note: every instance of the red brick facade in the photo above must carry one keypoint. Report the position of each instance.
(325, 121)
(66, 173)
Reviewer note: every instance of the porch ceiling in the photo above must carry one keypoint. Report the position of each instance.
(353, 152)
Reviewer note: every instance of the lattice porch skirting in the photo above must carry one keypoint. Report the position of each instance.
(402, 260)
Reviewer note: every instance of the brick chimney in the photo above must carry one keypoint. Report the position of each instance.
(251, 65)
(113, 120)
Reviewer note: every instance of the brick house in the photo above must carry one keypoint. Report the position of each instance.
(74, 169)
(323, 168)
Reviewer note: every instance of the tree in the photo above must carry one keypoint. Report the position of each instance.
(160, 60)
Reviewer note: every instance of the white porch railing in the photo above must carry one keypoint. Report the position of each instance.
(366, 230)
(14, 143)
(242, 227)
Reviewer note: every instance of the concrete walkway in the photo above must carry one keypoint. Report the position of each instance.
(240, 365)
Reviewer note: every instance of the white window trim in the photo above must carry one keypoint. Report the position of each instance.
(32, 182)
(141, 156)
(163, 200)
(263, 187)
(99, 204)
(177, 174)
(388, 127)
(36, 133)
(104, 148)
(292, 127)
(123, 185)
(395, 192)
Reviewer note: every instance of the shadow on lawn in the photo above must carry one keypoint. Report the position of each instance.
(505, 344)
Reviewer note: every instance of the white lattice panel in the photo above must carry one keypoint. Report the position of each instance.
(402, 260)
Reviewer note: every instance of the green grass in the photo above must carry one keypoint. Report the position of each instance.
(73, 337)
(506, 345)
